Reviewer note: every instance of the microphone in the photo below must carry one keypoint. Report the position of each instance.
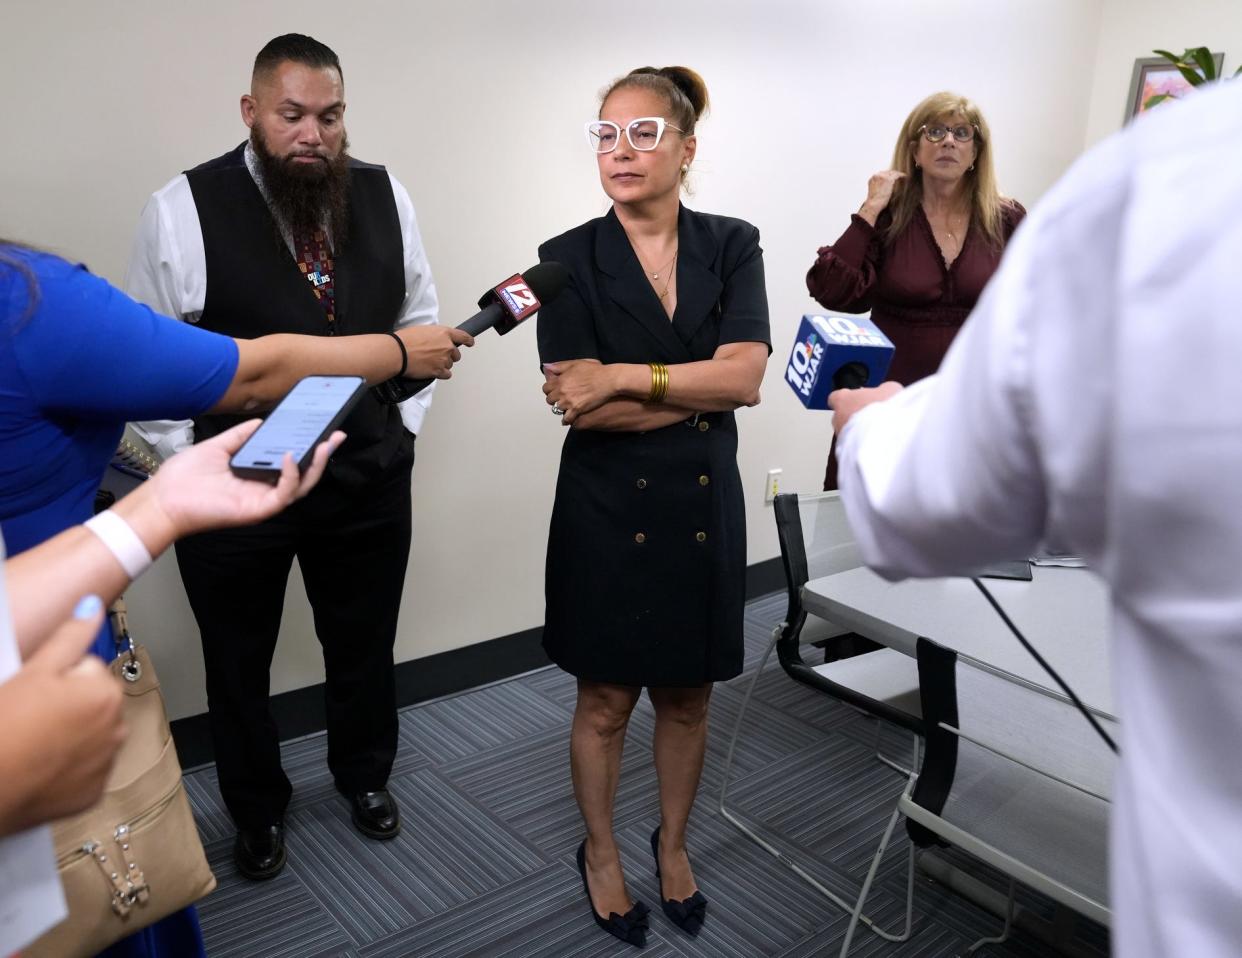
(836, 352)
(517, 298)
(501, 308)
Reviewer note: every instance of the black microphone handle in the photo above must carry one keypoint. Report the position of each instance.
(480, 322)
(483, 320)
(851, 376)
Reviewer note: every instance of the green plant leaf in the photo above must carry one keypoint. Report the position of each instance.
(1203, 57)
(1185, 65)
(1238, 71)
(1158, 98)
(1191, 73)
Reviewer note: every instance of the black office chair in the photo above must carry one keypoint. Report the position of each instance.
(882, 683)
(1013, 776)
(816, 541)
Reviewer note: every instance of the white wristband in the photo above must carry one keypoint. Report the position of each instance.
(122, 541)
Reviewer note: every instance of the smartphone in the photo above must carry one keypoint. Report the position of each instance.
(304, 418)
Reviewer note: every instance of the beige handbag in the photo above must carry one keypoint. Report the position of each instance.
(135, 857)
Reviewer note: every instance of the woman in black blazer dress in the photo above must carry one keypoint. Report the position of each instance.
(660, 335)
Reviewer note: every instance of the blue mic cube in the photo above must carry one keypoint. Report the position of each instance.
(829, 343)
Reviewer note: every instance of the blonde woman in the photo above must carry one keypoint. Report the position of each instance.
(926, 240)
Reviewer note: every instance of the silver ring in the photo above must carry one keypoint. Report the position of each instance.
(557, 410)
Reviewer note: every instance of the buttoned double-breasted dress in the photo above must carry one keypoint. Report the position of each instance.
(646, 560)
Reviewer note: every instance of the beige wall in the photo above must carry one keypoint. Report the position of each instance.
(477, 107)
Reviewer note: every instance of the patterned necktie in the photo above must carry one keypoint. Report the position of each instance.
(315, 262)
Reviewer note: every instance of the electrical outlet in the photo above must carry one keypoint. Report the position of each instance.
(773, 486)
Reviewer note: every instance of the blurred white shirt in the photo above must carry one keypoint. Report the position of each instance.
(1095, 397)
(168, 271)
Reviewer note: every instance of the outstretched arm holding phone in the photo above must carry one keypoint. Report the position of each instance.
(193, 491)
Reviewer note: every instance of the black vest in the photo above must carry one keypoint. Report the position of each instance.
(254, 288)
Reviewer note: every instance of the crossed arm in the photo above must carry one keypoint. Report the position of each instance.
(611, 397)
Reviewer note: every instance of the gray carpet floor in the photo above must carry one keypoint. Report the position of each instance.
(485, 863)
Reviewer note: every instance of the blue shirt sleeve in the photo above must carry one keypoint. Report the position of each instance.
(90, 351)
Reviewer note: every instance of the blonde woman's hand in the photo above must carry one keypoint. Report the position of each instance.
(879, 194)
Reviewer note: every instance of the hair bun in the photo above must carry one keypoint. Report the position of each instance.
(687, 81)
(691, 84)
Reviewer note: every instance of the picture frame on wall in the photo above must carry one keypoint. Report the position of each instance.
(1154, 76)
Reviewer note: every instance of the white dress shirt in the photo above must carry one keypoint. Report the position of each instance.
(168, 272)
(1095, 396)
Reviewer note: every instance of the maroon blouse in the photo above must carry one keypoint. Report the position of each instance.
(917, 301)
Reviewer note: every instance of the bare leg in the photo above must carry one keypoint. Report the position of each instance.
(680, 741)
(595, 744)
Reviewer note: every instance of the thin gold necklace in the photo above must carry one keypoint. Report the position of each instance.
(656, 273)
(668, 279)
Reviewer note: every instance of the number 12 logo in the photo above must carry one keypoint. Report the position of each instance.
(518, 298)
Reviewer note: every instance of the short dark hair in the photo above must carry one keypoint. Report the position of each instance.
(298, 48)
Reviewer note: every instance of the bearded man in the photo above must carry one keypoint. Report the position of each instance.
(289, 234)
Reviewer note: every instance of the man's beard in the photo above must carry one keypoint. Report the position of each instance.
(306, 196)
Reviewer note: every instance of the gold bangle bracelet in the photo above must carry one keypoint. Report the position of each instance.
(659, 382)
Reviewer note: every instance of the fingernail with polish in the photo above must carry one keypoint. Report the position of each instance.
(88, 607)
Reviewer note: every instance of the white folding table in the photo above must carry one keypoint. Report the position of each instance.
(1064, 613)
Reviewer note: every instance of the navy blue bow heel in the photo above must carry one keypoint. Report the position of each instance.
(688, 914)
(630, 927)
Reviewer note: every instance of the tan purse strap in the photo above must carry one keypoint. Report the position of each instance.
(119, 615)
(131, 669)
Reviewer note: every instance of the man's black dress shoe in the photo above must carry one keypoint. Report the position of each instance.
(260, 852)
(375, 814)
